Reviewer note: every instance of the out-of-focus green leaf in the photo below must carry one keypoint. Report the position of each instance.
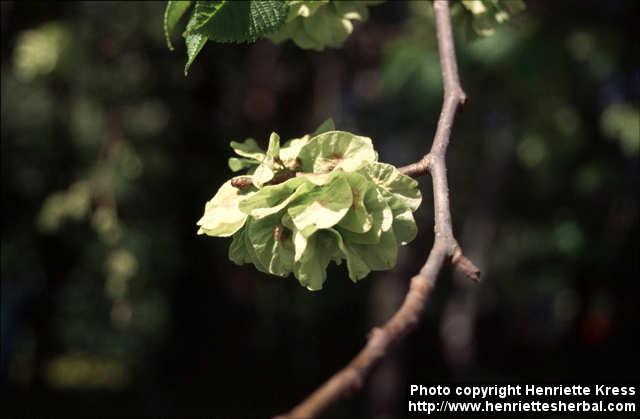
(320, 24)
(327, 28)
(352, 10)
(483, 16)
(622, 122)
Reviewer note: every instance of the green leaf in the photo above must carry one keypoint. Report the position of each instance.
(222, 216)
(272, 244)
(513, 6)
(172, 14)
(274, 198)
(304, 8)
(301, 38)
(352, 10)
(249, 149)
(320, 24)
(238, 252)
(273, 150)
(236, 164)
(265, 171)
(291, 149)
(327, 28)
(326, 126)
(240, 21)
(481, 17)
(357, 267)
(194, 43)
(257, 262)
(290, 220)
(203, 12)
(378, 257)
(404, 225)
(474, 6)
(391, 180)
(311, 266)
(336, 149)
(357, 220)
(323, 207)
(376, 205)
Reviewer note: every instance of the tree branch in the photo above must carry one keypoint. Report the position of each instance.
(351, 378)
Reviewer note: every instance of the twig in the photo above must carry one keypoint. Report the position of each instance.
(351, 378)
(419, 168)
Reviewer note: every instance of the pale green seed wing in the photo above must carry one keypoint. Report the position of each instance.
(222, 215)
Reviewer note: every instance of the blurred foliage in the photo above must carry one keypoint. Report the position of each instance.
(111, 303)
(322, 24)
(621, 121)
(38, 51)
(483, 16)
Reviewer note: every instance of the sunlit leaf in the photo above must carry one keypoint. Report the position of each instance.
(265, 170)
(391, 180)
(274, 198)
(357, 218)
(319, 198)
(222, 216)
(336, 149)
(248, 148)
(326, 126)
(237, 164)
(323, 207)
(382, 219)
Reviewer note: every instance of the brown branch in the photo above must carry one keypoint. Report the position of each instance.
(419, 168)
(351, 378)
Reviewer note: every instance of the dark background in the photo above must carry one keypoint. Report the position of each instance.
(112, 305)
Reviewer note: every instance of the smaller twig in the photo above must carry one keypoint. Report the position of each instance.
(417, 169)
(464, 265)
